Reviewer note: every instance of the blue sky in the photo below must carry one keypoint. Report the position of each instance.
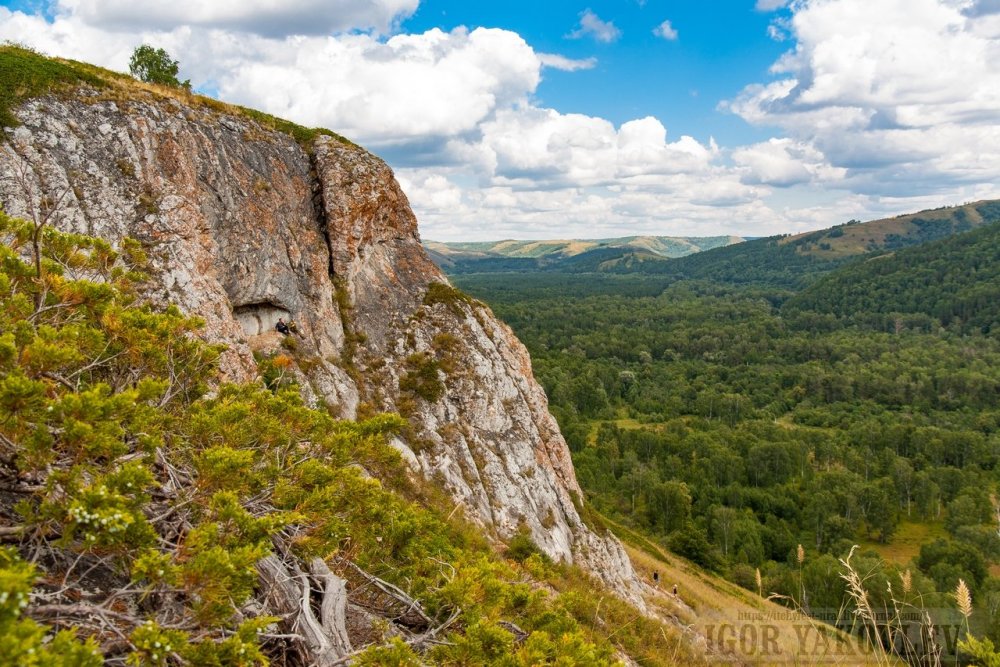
(721, 45)
(596, 118)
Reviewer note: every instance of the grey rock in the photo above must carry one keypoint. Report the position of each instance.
(244, 226)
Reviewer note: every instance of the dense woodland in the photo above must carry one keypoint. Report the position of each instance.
(735, 420)
(954, 283)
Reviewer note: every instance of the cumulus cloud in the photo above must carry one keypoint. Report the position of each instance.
(901, 95)
(263, 17)
(544, 149)
(770, 5)
(591, 25)
(556, 61)
(666, 31)
(868, 122)
(419, 86)
(785, 162)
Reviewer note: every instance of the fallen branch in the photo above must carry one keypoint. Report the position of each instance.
(288, 591)
(412, 606)
(11, 533)
(81, 610)
(430, 637)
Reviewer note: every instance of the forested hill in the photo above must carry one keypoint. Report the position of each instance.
(572, 255)
(787, 262)
(954, 282)
(772, 261)
(794, 262)
(855, 238)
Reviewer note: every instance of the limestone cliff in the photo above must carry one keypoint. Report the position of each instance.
(244, 225)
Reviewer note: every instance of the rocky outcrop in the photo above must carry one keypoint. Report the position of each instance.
(243, 225)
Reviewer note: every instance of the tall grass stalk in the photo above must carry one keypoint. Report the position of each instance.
(886, 634)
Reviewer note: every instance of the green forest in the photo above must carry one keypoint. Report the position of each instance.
(735, 419)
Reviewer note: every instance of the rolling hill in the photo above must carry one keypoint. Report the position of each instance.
(950, 282)
(788, 261)
(854, 238)
(567, 254)
(794, 262)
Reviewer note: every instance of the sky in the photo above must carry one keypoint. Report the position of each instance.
(599, 118)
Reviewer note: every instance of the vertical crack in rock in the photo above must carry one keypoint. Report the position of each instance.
(319, 210)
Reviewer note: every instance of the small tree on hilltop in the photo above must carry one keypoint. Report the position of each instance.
(155, 66)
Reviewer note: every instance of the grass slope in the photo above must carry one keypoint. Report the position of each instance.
(741, 626)
(26, 74)
(854, 238)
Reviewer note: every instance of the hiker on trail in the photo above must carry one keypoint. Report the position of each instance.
(675, 590)
(656, 577)
(282, 327)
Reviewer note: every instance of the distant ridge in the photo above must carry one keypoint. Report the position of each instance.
(794, 262)
(901, 231)
(596, 254)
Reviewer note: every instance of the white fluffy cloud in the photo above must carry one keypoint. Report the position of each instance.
(785, 162)
(543, 149)
(591, 25)
(665, 30)
(879, 108)
(902, 95)
(419, 87)
(265, 17)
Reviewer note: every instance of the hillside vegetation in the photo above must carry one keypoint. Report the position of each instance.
(954, 282)
(145, 517)
(763, 440)
(793, 262)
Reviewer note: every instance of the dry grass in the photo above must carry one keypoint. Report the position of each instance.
(740, 626)
(857, 239)
(906, 541)
(885, 632)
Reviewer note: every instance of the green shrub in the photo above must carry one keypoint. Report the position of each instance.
(422, 377)
(25, 73)
(23, 641)
(521, 547)
(183, 494)
(448, 295)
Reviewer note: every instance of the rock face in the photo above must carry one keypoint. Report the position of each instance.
(244, 225)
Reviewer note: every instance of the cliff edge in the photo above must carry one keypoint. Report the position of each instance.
(246, 224)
